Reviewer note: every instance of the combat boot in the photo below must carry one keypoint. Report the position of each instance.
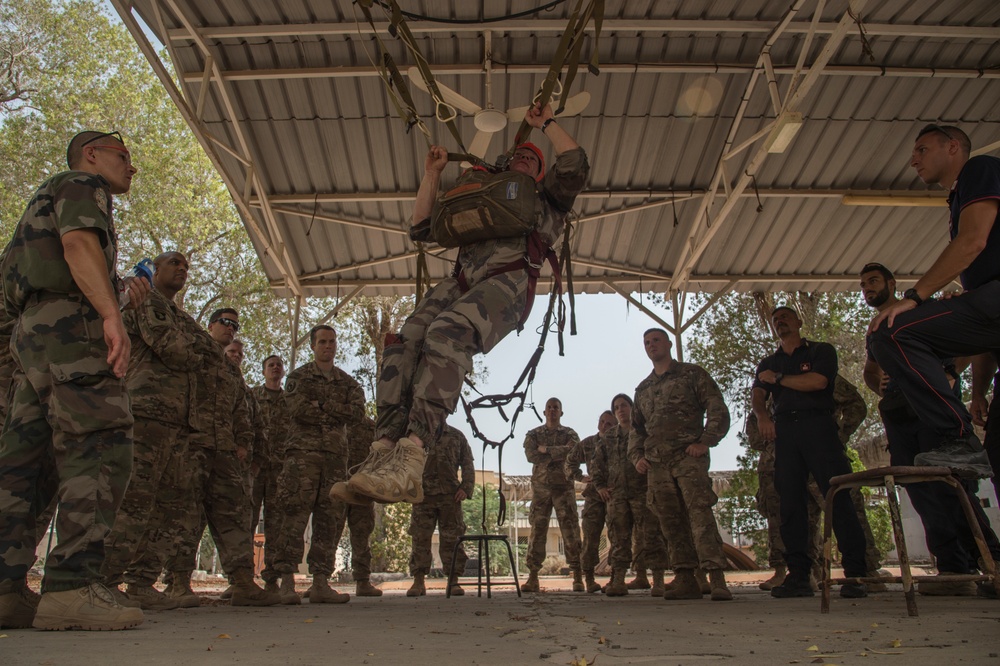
(396, 477)
(271, 586)
(795, 585)
(322, 593)
(588, 579)
(343, 493)
(149, 598)
(286, 590)
(364, 588)
(227, 593)
(417, 589)
(616, 586)
(91, 608)
(248, 593)
(531, 585)
(777, 579)
(702, 579)
(657, 589)
(685, 586)
(640, 582)
(454, 589)
(121, 597)
(180, 590)
(719, 591)
(17, 607)
(577, 581)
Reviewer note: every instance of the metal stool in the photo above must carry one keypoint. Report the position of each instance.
(888, 477)
(481, 539)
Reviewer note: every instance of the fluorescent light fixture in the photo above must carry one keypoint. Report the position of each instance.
(914, 201)
(784, 131)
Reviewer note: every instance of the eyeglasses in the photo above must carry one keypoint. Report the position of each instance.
(104, 135)
(231, 323)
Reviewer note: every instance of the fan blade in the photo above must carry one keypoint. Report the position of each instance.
(451, 97)
(480, 144)
(574, 106)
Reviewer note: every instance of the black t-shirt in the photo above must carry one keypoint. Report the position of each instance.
(979, 180)
(810, 356)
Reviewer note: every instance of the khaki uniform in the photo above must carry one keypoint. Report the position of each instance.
(360, 520)
(271, 410)
(683, 406)
(440, 508)
(550, 488)
(594, 513)
(320, 409)
(69, 417)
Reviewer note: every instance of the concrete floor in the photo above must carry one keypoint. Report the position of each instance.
(554, 627)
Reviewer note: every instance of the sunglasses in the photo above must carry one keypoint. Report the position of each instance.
(116, 135)
(231, 323)
(936, 128)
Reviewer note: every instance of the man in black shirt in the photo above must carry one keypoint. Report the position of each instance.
(799, 377)
(919, 332)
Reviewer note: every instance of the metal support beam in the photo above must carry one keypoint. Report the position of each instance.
(338, 220)
(305, 277)
(642, 308)
(708, 304)
(678, 301)
(295, 330)
(332, 313)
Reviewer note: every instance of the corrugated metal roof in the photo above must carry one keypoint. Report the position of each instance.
(292, 104)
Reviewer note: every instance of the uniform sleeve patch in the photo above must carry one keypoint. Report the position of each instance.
(101, 199)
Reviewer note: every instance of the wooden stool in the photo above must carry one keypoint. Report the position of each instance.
(484, 539)
(889, 477)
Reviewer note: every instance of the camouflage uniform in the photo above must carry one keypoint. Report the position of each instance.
(271, 408)
(422, 373)
(167, 344)
(550, 488)
(68, 412)
(360, 520)
(683, 406)
(594, 513)
(439, 507)
(628, 509)
(320, 409)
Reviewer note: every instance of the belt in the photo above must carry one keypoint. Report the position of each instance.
(801, 415)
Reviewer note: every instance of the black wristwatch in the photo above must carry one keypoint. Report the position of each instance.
(778, 376)
(912, 294)
(546, 124)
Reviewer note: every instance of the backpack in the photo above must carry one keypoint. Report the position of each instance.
(484, 206)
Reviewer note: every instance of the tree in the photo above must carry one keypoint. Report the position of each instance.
(472, 512)
(737, 509)
(391, 542)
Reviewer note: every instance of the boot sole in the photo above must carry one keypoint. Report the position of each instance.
(360, 487)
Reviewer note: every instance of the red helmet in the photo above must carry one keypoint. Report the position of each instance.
(541, 159)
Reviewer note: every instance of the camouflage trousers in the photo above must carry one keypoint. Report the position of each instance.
(360, 520)
(303, 489)
(156, 443)
(68, 435)
(445, 513)
(218, 487)
(422, 374)
(563, 499)
(265, 485)
(628, 517)
(592, 520)
(680, 495)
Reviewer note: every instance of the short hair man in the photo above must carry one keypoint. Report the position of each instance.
(679, 415)
(594, 513)
(917, 331)
(800, 377)
(546, 448)
(949, 538)
(271, 403)
(69, 410)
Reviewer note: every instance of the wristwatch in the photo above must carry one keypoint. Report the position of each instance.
(912, 294)
(546, 124)
(778, 376)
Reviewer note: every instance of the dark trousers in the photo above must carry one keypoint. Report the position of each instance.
(992, 439)
(808, 444)
(947, 531)
(911, 351)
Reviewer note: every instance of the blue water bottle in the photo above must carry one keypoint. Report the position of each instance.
(143, 269)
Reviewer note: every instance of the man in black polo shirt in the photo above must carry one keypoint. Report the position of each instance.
(799, 377)
(919, 332)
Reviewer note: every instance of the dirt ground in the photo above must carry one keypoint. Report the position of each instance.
(554, 627)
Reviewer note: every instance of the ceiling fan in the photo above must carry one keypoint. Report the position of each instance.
(489, 120)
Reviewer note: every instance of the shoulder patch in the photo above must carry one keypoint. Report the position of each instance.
(101, 199)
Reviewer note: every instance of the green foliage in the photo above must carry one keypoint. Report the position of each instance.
(737, 510)
(876, 507)
(472, 512)
(390, 542)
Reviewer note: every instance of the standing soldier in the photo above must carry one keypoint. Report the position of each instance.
(360, 518)
(442, 506)
(594, 510)
(69, 409)
(270, 400)
(546, 447)
(322, 402)
(679, 415)
(625, 490)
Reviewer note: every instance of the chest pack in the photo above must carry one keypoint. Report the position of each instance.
(484, 206)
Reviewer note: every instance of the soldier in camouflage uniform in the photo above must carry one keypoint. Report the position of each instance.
(442, 508)
(69, 409)
(168, 345)
(359, 519)
(546, 448)
(219, 456)
(679, 415)
(626, 490)
(422, 372)
(322, 402)
(271, 403)
(594, 512)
